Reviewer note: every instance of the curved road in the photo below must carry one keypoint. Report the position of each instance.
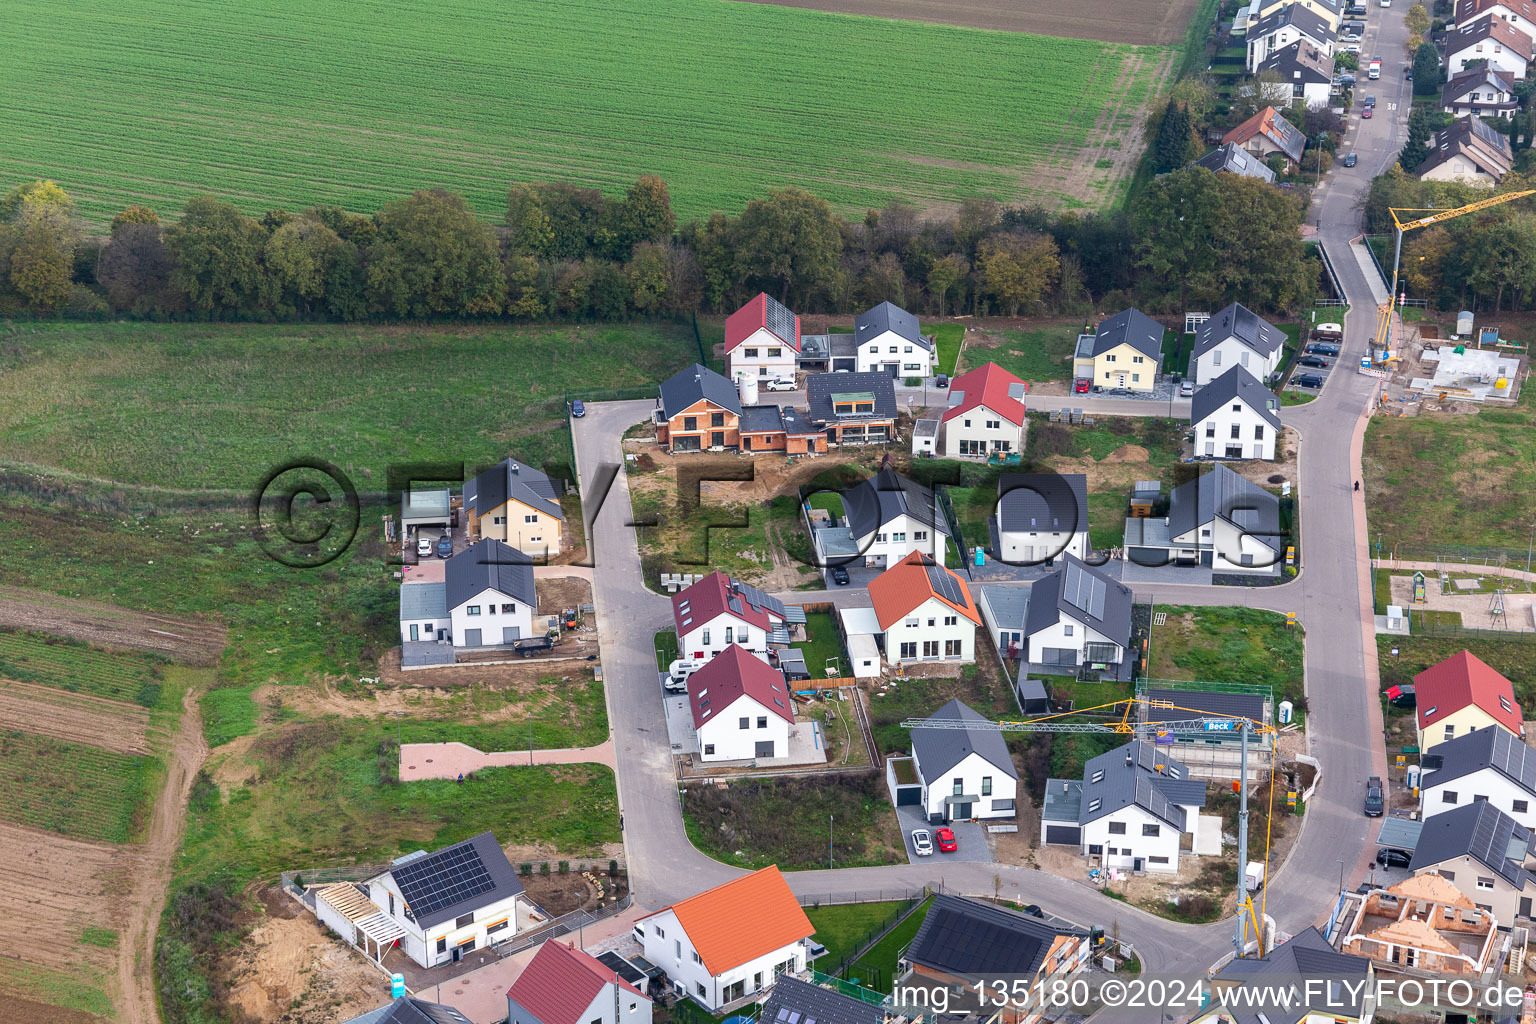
(1332, 597)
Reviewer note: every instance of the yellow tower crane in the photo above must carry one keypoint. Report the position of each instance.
(1384, 313)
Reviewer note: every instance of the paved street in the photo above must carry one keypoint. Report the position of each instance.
(1332, 598)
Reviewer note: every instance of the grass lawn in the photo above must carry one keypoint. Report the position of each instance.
(1437, 482)
(557, 713)
(1515, 658)
(1041, 354)
(696, 537)
(1296, 397)
(982, 686)
(973, 507)
(829, 501)
(152, 404)
(877, 968)
(1159, 435)
(823, 643)
(1229, 645)
(1177, 348)
(666, 649)
(842, 929)
(948, 337)
(757, 822)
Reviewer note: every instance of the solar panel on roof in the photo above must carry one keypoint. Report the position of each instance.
(443, 879)
(945, 585)
(779, 320)
(1084, 590)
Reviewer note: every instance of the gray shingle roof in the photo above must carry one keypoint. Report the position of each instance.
(1476, 78)
(1488, 747)
(889, 317)
(1240, 322)
(1042, 502)
(1221, 492)
(814, 1005)
(696, 382)
(1236, 385)
(423, 601)
(939, 750)
(1298, 15)
(1130, 327)
(511, 479)
(410, 1010)
(1234, 159)
(761, 418)
(969, 938)
(1301, 61)
(886, 495)
(1308, 955)
(1471, 138)
(820, 387)
(1084, 594)
(1007, 604)
(455, 880)
(1141, 774)
(489, 564)
(1481, 831)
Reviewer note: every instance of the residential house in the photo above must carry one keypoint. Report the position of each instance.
(718, 612)
(1519, 13)
(566, 985)
(1331, 11)
(925, 611)
(891, 517)
(1219, 520)
(707, 953)
(890, 343)
(1488, 764)
(515, 503)
(1079, 618)
(965, 945)
(424, 612)
(762, 339)
(1235, 417)
(458, 899)
(1480, 92)
(1422, 923)
(1468, 150)
(1267, 134)
(1289, 24)
(1124, 352)
(1003, 609)
(1485, 853)
(772, 428)
(1460, 694)
(1213, 753)
(697, 409)
(427, 508)
(1136, 809)
(852, 408)
(964, 772)
(1236, 336)
(1231, 158)
(410, 1010)
(490, 595)
(1304, 73)
(741, 708)
(1344, 993)
(985, 414)
(1041, 516)
(793, 1001)
(1507, 49)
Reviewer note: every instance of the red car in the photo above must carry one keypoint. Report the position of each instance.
(1366, 113)
(946, 840)
(1082, 386)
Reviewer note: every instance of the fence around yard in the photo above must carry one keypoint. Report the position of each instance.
(562, 925)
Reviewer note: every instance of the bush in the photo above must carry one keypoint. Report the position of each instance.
(565, 867)
(525, 869)
(544, 868)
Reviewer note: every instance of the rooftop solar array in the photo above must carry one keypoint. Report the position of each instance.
(1084, 590)
(623, 968)
(779, 320)
(945, 585)
(1482, 130)
(428, 884)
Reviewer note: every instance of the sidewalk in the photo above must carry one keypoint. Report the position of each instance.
(449, 760)
(1466, 568)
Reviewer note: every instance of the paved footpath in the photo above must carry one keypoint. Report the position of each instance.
(450, 760)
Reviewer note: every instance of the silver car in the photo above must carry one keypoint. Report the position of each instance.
(922, 842)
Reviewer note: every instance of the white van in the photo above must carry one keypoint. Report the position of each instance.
(678, 673)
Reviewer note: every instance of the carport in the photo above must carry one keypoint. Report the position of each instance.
(424, 508)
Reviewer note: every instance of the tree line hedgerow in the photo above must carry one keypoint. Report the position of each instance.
(564, 251)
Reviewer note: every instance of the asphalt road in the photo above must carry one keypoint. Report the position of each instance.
(1332, 598)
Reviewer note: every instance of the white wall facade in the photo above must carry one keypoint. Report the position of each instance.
(879, 354)
(612, 1005)
(1159, 853)
(1497, 55)
(762, 354)
(422, 945)
(425, 629)
(705, 640)
(935, 632)
(724, 737)
(1232, 545)
(975, 776)
(980, 431)
(1261, 48)
(1486, 784)
(1230, 352)
(1255, 437)
(668, 947)
(899, 538)
(1029, 547)
(492, 620)
(1458, 168)
(1069, 634)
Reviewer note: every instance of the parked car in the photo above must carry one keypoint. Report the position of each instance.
(1312, 361)
(1082, 385)
(423, 546)
(1408, 74)
(445, 546)
(941, 380)
(1187, 389)
(947, 841)
(1350, 159)
(1366, 113)
(922, 842)
(1323, 349)
(779, 384)
(1033, 910)
(1375, 799)
(1308, 380)
(1370, 100)
(1402, 696)
(1392, 857)
(840, 575)
(578, 408)
(533, 645)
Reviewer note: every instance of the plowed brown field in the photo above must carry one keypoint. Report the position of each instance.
(194, 641)
(57, 888)
(109, 724)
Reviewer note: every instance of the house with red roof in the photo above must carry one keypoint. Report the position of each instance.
(925, 612)
(741, 708)
(731, 942)
(1268, 134)
(566, 985)
(762, 339)
(1462, 694)
(985, 414)
(718, 611)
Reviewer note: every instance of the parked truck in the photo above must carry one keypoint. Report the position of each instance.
(1253, 877)
(533, 645)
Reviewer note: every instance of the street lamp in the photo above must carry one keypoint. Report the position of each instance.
(829, 841)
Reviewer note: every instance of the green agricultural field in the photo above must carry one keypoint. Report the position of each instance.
(67, 664)
(73, 789)
(292, 104)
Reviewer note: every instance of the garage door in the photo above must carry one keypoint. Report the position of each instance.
(471, 638)
(510, 634)
(1148, 556)
(908, 796)
(1063, 835)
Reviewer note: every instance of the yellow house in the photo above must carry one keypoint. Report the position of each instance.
(1126, 352)
(1460, 694)
(517, 504)
(1343, 993)
(1330, 13)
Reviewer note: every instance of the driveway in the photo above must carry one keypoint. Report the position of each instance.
(970, 837)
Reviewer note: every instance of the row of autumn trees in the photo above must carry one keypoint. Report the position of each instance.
(567, 251)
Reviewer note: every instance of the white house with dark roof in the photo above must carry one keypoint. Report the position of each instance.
(1489, 764)
(1290, 24)
(490, 596)
(1134, 806)
(1467, 150)
(1344, 992)
(1236, 336)
(1231, 158)
(1486, 854)
(1219, 520)
(793, 1001)
(1079, 617)
(890, 343)
(1235, 417)
(424, 613)
(719, 611)
(1507, 49)
(741, 708)
(460, 898)
(762, 339)
(852, 408)
(518, 504)
(1040, 517)
(890, 517)
(1302, 72)
(1481, 92)
(964, 767)
(410, 1010)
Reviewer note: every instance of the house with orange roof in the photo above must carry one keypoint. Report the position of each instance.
(1266, 134)
(741, 708)
(566, 985)
(1461, 694)
(731, 942)
(985, 414)
(925, 611)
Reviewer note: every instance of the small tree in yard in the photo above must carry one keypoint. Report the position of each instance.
(1426, 70)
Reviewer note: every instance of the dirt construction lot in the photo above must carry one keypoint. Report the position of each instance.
(1150, 22)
